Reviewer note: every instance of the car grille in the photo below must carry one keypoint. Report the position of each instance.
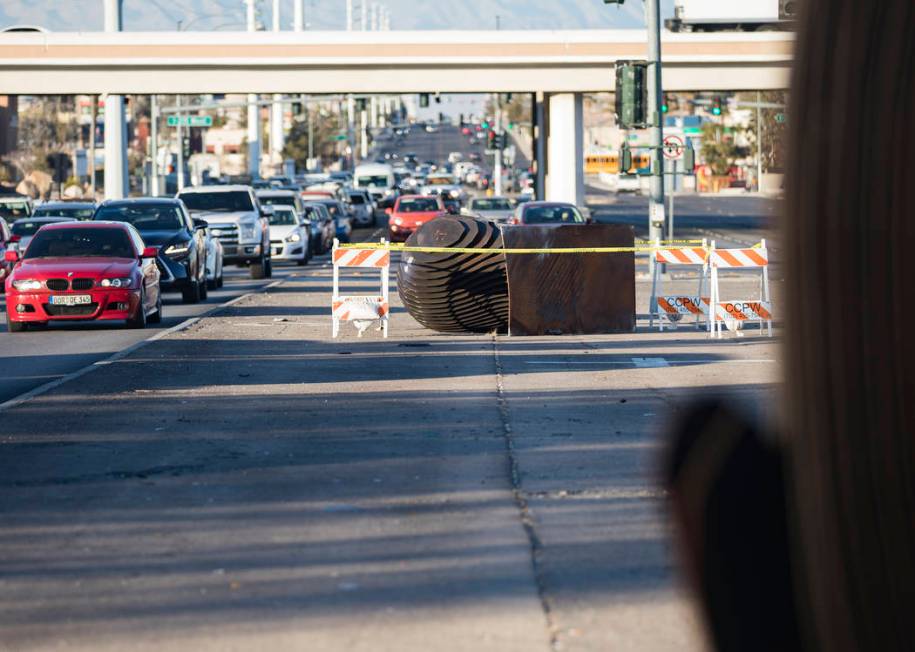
(227, 234)
(57, 284)
(82, 283)
(83, 310)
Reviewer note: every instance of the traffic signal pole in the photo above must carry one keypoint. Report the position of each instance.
(655, 98)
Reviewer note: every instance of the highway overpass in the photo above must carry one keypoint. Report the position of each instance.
(379, 62)
(557, 66)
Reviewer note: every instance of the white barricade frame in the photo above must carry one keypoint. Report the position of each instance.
(752, 259)
(363, 310)
(661, 306)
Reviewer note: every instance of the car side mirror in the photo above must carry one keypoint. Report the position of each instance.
(11, 256)
(200, 224)
(151, 252)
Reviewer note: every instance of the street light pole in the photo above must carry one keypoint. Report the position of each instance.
(655, 99)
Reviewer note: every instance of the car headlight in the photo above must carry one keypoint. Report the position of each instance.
(388, 192)
(455, 193)
(27, 284)
(179, 250)
(115, 282)
(248, 231)
(293, 237)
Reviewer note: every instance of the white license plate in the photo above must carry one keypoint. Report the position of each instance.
(71, 299)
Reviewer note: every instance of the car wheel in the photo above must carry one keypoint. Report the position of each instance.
(138, 320)
(14, 326)
(259, 269)
(302, 262)
(191, 293)
(156, 317)
(219, 280)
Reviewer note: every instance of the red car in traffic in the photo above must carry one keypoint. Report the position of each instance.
(95, 271)
(410, 212)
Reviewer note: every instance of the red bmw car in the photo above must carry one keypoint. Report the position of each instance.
(411, 212)
(83, 271)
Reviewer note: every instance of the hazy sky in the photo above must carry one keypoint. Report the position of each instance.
(86, 15)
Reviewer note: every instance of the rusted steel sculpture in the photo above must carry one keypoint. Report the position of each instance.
(455, 293)
(533, 294)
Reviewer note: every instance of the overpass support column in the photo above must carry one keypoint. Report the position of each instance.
(565, 179)
(115, 148)
(116, 180)
(540, 134)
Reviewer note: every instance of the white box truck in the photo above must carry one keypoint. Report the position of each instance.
(740, 15)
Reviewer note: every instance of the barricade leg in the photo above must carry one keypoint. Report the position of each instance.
(653, 298)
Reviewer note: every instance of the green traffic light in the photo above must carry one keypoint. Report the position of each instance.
(485, 125)
(663, 108)
(716, 110)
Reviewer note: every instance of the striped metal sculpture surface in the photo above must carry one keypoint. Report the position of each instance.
(455, 292)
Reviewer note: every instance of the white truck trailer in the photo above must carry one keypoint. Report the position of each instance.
(739, 15)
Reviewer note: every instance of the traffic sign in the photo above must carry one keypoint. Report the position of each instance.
(780, 118)
(190, 120)
(340, 137)
(673, 147)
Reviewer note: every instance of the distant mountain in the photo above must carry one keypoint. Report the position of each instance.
(87, 15)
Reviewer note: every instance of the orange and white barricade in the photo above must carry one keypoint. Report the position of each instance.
(362, 310)
(673, 308)
(735, 313)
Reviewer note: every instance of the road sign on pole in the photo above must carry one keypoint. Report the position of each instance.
(190, 121)
(673, 148)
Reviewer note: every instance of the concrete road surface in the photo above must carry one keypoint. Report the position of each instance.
(250, 484)
(35, 358)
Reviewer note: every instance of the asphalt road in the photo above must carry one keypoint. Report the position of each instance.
(34, 358)
(732, 220)
(251, 484)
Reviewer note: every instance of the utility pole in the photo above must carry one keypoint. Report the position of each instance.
(154, 189)
(759, 150)
(179, 130)
(115, 124)
(92, 145)
(277, 134)
(655, 98)
(350, 102)
(497, 158)
(298, 16)
(254, 127)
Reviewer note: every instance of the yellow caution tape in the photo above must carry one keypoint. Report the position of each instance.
(483, 252)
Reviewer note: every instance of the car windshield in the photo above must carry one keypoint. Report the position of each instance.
(312, 214)
(78, 212)
(552, 215)
(420, 205)
(230, 202)
(283, 218)
(145, 217)
(24, 228)
(277, 201)
(14, 210)
(85, 242)
(356, 199)
(373, 180)
(492, 205)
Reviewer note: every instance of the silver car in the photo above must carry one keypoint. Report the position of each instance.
(361, 207)
(494, 209)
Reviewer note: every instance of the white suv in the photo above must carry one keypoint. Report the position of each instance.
(237, 219)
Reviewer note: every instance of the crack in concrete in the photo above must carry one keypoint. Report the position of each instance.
(525, 513)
